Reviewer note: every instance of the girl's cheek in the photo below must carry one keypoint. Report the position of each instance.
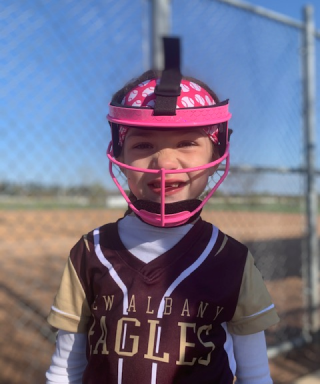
(123, 170)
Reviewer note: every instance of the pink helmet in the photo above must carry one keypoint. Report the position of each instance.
(166, 103)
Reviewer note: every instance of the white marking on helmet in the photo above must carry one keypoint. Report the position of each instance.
(200, 99)
(195, 86)
(137, 103)
(132, 95)
(184, 88)
(147, 91)
(187, 102)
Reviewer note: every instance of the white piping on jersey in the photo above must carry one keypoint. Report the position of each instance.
(112, 272)
(124, 335)
(154, 373)
(259, 313)
(64, 313)
(120, 368)
(158, 339)
(189, 270)
(121, 285)
(228, 347)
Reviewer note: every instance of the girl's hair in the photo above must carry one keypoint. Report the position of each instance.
(154, 74)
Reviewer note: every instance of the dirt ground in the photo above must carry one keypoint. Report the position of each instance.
(34, 247)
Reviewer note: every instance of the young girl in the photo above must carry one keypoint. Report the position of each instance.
(162, 296)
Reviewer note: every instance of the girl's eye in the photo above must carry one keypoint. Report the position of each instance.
(142, 146)
(187, 143)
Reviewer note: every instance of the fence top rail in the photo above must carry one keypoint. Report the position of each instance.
(257, 169)
(268, 14)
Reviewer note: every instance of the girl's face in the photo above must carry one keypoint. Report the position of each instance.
(171, 150)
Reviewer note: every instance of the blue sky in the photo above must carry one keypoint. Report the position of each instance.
(60, 62)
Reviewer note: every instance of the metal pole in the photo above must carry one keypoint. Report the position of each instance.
(160, 28)
(311, 267)
(264, 12)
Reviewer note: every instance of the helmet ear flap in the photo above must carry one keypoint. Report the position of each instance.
(116, 148)
(223, 137)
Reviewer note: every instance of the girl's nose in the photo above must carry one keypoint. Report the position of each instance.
(166, 159)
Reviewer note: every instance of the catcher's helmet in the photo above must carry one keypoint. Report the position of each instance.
(169, 102)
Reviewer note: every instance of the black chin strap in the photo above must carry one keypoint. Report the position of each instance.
(170, 208)
(168, 90)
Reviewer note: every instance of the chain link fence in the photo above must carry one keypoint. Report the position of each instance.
(60, 63)
(257, 61)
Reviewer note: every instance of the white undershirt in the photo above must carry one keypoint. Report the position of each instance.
(69, 359)
(147, 242)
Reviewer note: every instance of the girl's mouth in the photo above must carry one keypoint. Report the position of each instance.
(171, 187)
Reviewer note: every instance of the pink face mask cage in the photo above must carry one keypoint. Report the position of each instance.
(184, 118)
(169, 109)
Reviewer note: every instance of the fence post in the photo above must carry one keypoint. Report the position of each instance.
(311, 261)
(160, 27)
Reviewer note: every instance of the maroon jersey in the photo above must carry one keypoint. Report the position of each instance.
(168, 321)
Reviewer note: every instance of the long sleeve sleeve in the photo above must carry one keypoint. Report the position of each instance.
(251, 357)
(69, 359)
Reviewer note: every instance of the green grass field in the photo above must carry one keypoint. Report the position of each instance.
(216, 204)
